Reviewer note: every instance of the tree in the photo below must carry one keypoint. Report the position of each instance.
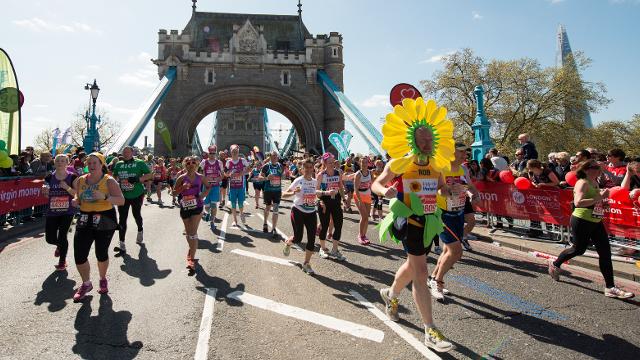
(520, 96)
(44, 140)
(616, 134)
(107, 128)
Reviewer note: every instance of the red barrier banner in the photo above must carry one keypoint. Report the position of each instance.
(553, 206)
(20, 194)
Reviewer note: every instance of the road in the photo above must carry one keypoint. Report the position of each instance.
(246, 301)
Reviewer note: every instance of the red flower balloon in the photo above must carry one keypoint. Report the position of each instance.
(506, 176)
(620, 195)
(522, 183)
(571, 178)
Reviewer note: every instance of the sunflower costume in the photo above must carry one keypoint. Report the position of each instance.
(399, 140)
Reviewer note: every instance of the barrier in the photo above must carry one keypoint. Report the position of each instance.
(20, 198)
(553, 206)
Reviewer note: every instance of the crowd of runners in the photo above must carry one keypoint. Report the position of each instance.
(321, 189)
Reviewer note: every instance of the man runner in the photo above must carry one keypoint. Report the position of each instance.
(131, 173)
(272, 174)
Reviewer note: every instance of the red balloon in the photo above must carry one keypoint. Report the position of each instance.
(522, 183)
(571, 178)
(620, 194)
(506, 176)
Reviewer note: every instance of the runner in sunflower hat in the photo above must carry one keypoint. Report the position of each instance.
(419, 138)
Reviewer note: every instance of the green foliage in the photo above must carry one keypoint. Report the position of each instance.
(521, 96)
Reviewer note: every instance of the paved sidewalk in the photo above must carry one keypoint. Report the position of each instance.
(621, 269)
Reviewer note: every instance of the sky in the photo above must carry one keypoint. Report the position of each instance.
(58, 46)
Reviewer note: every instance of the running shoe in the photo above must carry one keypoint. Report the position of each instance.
(437, 250)
(307, 269)
(465, 244)
(274, 234)
(297, 247)
(554, 271)
(243, 218)
(82, 291)
(431, 283)
(62, 266)
(265, 228)
(329, 236)
(437, 294)
(391, 304)
(361, 240)
(104, 286)
(139, 238)
(366, 239)
(206, 217)
(287, 250)
(148, 198)
(234, 224)
(191, 263)
(337, 255)
(615, 292)
(323, 254)
(160, 202)
(121, 248)
(434, 339)
(56, 253)
(213, 226)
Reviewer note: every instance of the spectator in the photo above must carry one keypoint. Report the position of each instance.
(528, 148)
(499, 163)
(614, 169)
(78, 163)
(42, 166)
(631, 179)
(563, 166)
(488, 172)
(582, 155)
(553, 162)
(474, 170)
(540, 175)
(23, 168)
(29, 154)
(519, 163)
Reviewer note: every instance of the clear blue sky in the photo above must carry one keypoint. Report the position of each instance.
(59, 45)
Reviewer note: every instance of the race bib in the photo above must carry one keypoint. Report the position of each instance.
(426, 190)
(598, 210)
(189, 202)
(275, 181)
(157, 176)
(309, 200)
(126, 186)
(59, 203)
(236, 180)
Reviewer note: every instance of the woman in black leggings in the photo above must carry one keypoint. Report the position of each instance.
(58, 187)
(96, 194)
(329, 182)
(587, 226)
(303, 213)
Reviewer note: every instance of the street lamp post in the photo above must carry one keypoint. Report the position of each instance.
(92, 138)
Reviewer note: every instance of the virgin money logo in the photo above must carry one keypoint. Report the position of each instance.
(518, 197)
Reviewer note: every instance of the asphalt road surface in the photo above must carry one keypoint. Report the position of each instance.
(247, 301)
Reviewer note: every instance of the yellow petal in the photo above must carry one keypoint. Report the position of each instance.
(398, 151)
(421, 108)
(410, 106)
(403, 114)
(446, 152)
(431, 107)
(440, 163)
(438, 116)
(399, 166)
(394, 120)
(445, 130)
(392, 142)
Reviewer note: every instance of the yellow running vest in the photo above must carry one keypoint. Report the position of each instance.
(85, 194)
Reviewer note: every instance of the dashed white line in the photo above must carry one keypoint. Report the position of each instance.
(265, 257)
(418, 345)
(223, 232)
(327, 321)
(202, 349)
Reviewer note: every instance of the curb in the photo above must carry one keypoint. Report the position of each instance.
(575, 261)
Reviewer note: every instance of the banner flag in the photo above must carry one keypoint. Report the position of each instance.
(337, 141)
(11, 100)
(165, 134)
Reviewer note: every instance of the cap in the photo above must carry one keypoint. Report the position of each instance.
(99, 156)
(461, 146)
(326, 156)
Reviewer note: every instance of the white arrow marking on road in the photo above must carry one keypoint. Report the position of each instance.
(422, 349)
(223, 232)
(265, 257)
(202, 349)
(330, 322)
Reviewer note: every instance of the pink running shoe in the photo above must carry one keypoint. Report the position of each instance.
(104, 286)
(82, 291)
(362, 241)
(62, 266)
(366, 240)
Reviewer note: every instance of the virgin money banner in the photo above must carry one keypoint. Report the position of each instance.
(552, 206)
(20, 194)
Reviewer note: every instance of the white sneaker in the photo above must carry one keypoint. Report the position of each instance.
(307, 268)
(434, 339)
(437, 294)
(323, 254)
(618, 293)
(243, 218)
(433, 284)
(139, 238)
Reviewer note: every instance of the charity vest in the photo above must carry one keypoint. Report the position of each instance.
(85, 193)
(421, 180)
(450, 203)
(213, 171)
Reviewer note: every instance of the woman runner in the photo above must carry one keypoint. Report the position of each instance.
(258, 185)
(96, 194)
(587, 226)
(376, 212)
(303, 213)
(362, 184)
(159, 177)
(59, 188)
(188, 187)
(329, 182)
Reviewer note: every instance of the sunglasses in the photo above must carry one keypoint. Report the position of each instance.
(190, 162)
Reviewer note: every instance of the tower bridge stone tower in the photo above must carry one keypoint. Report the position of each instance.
(226, 60)
(242, 125)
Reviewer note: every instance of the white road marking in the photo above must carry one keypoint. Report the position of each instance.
(330, 322)
(418, 345)
(223, 232)
(265, 257)
(202, 349)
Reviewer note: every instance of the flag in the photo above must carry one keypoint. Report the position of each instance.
(165, 134)
(11, 100)
(56, 137)
(66, 136)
